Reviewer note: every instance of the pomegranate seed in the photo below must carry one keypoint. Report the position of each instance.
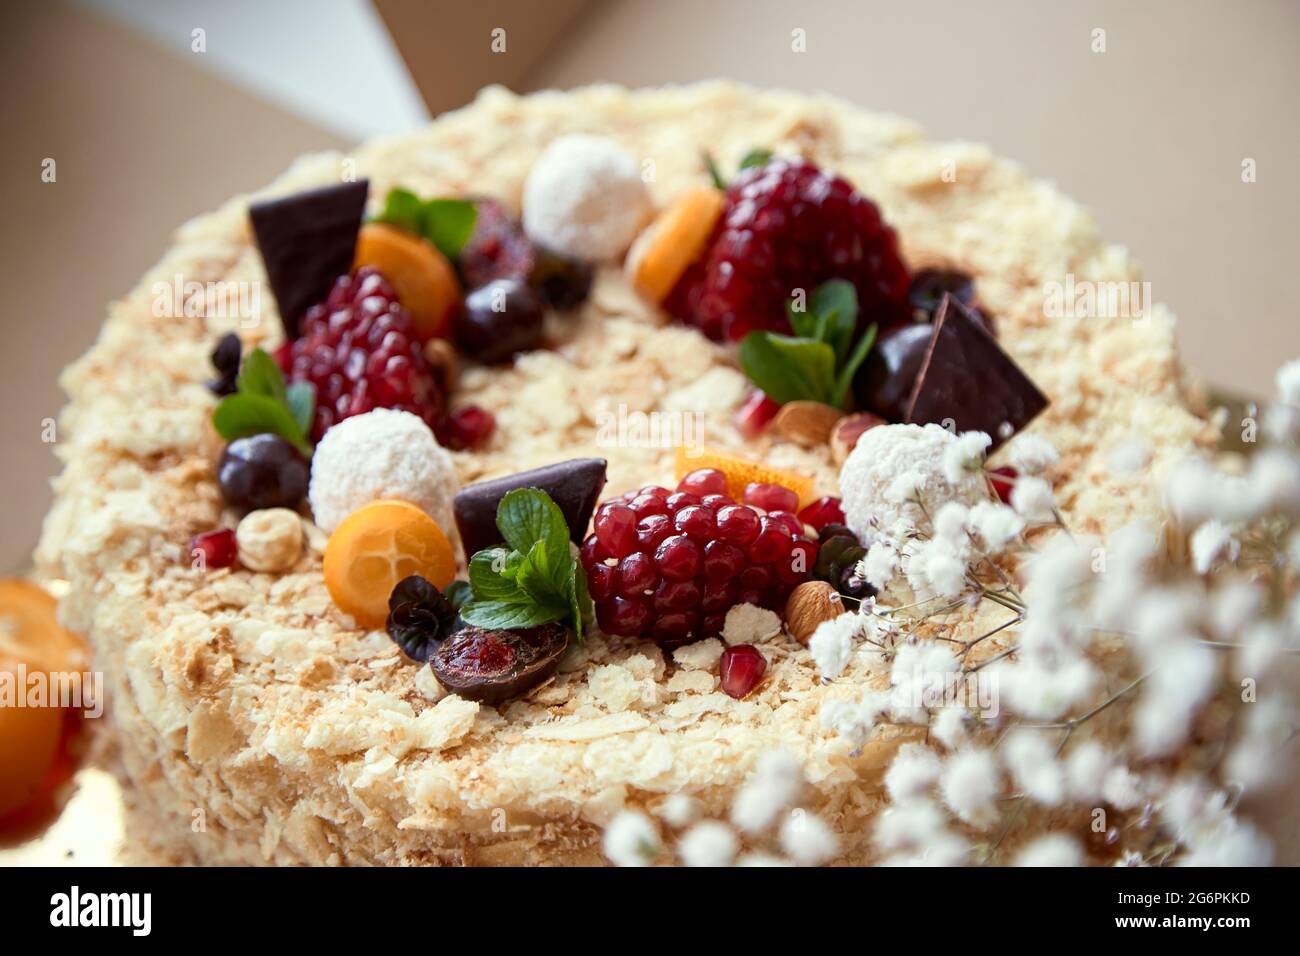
(757, 577)
(712, 625)
(722, 560)
(751, 596)
(1003, 480)
(651, 530)
(678, 557)
(704, 481)
(716, 502)
(636, 575)
(469, 426)
(591, 552)
(680, 500)
(695, 521)
(770, 497)
(602, 582)
(755, 414)
(627, 617)
(656, 490)
(676, 595)
(822, 512)
(791, 523)
(646, 505)
(676, 628)
(795, 570)
(718, 596)
(616, 529)
(738, 524)
(742, 667)
(214, 549)
(772, 543)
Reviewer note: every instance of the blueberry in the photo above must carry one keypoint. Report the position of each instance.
(263, 471)
(562, 283)
(499, 320)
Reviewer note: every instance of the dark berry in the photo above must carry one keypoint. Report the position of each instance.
(929, 286)
(563, 283)
(225, 359)
(499, 320)
(497, 249)
(263, 471)
(495, 666)
(468, 427)
(884, 382)
(419, 617)
(214, 549)
(741, 668)
(822, 512)
(789, 225)
(359, 351)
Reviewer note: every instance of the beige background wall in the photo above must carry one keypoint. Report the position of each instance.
(1150, 134)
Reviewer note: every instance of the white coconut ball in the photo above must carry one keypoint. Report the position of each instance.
(889, 470)
(381, 454)
(584, 198)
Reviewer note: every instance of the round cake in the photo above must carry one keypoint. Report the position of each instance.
(254, 721)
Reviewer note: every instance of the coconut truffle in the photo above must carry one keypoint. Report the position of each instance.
(890, 470)
(584, 198)
(381, 454)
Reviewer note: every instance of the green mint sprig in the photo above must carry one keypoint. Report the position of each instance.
(818, 362)
(535, 579)
(755, 157)
(263, 403)
(447, 223)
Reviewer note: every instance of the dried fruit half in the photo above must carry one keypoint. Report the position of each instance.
(740, 472)
(30, 632)
(424, 280)
(673, 241)
(495, 666)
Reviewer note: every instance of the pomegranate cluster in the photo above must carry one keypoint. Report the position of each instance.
(669, 564)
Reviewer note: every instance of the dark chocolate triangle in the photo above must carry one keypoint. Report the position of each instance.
(967, 380)
(307, 241)
(573, 485)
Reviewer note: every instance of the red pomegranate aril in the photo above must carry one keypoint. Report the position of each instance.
(718, 596)
(792, 523)
(712, 625)
(822, 512)
(738, 524)
(770, 497)
(772, 543)
(704, 481)
(677, 596)
(678, 557)
(681, 499)
(626, 617)
(696, 521)
(757, 577)
(755, 414)
(214, 549)
(676, 628)
(591, 552)
(469, 426)
(722, 560)
(716, 502)
(602, 582)
(657, 490)
(1003, 480)
(636, 575)
(802, 558)
(615, 526)
(741, 668)
(651, 530)
(646, 505)
(751, 596)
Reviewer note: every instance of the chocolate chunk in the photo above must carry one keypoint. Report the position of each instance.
(493, 666)
(573, 485)
(307, 241)
(967, 379)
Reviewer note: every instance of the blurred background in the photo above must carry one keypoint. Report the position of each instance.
(156, 110)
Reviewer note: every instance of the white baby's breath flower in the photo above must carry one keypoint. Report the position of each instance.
(1234, 606)
(1121, 788)
(761, 859)
(1033, 766)
(913, 824)
(807, 839)
(679, 810)
(914, 770)
(1183, 678)
(950, 522)
(1131, 858)
(970, 785)
(831, 645)
(708, 844)
(880, 564)
(1274, 482)
(1086, 767)
(631, 839)
(965, 456)
(1032, 498)
(1045, 690)
(1032, 454)
(949, 727)
(936, 567)
(1055, 849)
(775, 784)
(1128, 457)
(919, 678)
(995, 524)
(1211, 543)
(845, 719)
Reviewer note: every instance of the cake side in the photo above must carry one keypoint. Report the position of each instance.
(250, 699)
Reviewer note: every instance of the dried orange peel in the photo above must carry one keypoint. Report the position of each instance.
(423, 279)
(673, 241)
(30, 631)
(740, 472)
(377, 546)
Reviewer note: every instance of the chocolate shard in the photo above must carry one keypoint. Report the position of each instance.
(307, 241)
(967, 382)
(573, 485)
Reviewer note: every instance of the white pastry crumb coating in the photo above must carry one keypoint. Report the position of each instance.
(894, 477)
(381, 454)
(584, 198)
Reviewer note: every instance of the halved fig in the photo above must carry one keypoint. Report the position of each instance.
(495, 666)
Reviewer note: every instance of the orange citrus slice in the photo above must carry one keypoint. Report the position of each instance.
(741, 471)
(674, 240)
(30, 741)
(377, 546)
(30, 632)
(421, 276)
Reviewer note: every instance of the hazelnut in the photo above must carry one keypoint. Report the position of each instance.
(269, 539)
(442, 360)
(847, 431)
(810, 604)
(806, 423)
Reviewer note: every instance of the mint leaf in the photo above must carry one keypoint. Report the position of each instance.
(301, 399)
(835, 303)
(844, 378)
(488, 578)
(259, 375)
(404, 209)
(458, 593)
(448, 224)
(714, 173)
(243, 414)
(579, 599)
(756, 157)
(789, 369)
(504, 615)
(526, 516)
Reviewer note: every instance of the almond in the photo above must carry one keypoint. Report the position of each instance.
(809, 605)
(441, 357)
(846, 432)
(805, 423)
